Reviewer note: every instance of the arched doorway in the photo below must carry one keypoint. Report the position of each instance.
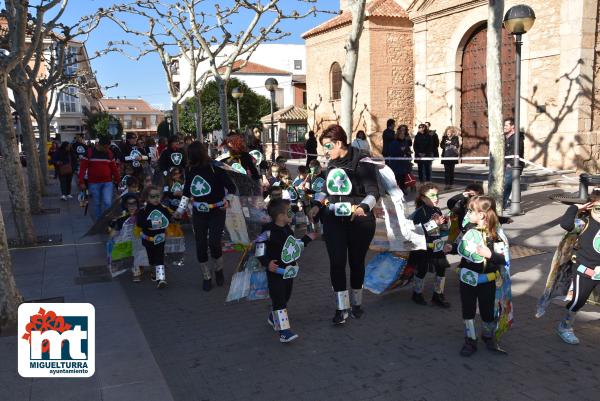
(474, 116)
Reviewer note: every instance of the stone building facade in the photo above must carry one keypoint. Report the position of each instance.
(384, 82)
(439, 51)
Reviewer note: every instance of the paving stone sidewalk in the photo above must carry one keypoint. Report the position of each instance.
(125, 366)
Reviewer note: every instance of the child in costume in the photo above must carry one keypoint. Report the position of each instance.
(584, 220)
(278, 253)
(153, 221)
(430, 216)
(173, 189)
(483, 249)
(129, 205)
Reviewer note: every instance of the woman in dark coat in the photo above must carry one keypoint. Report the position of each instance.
(311, 148)
(450, 145)
(423, 146)
(401, 146)
(64, 162)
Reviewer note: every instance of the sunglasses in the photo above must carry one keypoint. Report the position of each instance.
(154, 196)
(328, 146)
(596, 209)
(432, 196)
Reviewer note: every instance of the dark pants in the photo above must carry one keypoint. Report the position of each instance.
(280, 290)
(424, 171)
(65, 184)
(156, 253)
(426, 260)
(582, 289)
(508, 179)
(449, 173)
(208, 231)
(485, 294)
(347, 240)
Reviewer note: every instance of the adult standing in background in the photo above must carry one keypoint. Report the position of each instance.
(423, 147)
(361, 142)
(450, 146)
(434, 137)
(509, 150)
(64, 162)
(387, 137)
(311, 148)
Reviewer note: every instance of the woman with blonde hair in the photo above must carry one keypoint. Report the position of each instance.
(450, 145)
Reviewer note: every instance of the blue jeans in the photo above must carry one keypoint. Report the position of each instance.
(101, 193)
(508, 179)
(424, 171)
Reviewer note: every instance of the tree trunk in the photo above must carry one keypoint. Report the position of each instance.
(357, 7)
(44, 130)
(174, 117)
(198, 115)
(494, 99)
(23, 106)
(222, 85)
(10, 299)
(11, 166)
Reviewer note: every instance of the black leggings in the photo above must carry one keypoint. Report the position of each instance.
(280, 290)
(65, 184)
(485, 294)
(582, 289)
(347, 240)
(208, 231)
(449, 173)
(156, 253)
(423, 260)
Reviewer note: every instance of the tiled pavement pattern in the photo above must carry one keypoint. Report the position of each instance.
(190, 345)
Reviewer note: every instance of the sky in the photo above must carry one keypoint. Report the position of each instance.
(145, 78)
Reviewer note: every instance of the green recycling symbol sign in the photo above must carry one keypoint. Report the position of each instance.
(158, 220)
(468, 277)
(238, 167)
(338, 182)
(293, 194)
(177, 187)
(597, 242)
(176, 158)
(343, 209)
(318, 184)
(467, 248)
(199, 187)
(258, 157)
(290, 272)
(291, 250)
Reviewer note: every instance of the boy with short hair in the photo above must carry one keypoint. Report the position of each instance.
(278, 252)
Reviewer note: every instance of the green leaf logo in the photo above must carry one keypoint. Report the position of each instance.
(290, 272)
(597, 242)
(177, 187)
(468, 277)
(318, 184)
(467, 248)
(238, 167)
(343, 209)
(200, 187)
(338, 182)
(158, 220)
(258, 157)
(176, 158)
(291, 250)
(293, 194)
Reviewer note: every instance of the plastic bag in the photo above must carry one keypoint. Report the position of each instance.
(240, 285)
(259, 287)
(175, 244)
(119, 250)
(383, 270)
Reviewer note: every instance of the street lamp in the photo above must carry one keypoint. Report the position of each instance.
(237, 94)
(518, 21)
(271, 84)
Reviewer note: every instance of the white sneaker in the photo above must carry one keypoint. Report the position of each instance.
(63, 198)
(70, 196)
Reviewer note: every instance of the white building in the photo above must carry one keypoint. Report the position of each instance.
(284, 62)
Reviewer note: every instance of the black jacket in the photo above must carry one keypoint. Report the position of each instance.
(585, 253)
(311, 146)
(362, 175)
(509, 148)
(146, 225)
(423, 145)
(275, 244)
(170, 158)
(450, 141)
(435, 143)
(215, 177)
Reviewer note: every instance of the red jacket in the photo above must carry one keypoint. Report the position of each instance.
(99, 166)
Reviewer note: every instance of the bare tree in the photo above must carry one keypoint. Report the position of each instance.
(263, 26)
(171, 35)
(10, 298)
(357, 8)
(494, 100)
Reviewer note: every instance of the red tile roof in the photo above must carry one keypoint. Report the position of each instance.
(287, 114)
(376, 8)
(123, 106)
(254, 68)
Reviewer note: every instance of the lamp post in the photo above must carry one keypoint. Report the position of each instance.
(237, 94)
(518, 21)
(271, 84)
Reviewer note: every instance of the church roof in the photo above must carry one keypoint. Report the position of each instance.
(376, 8)
(287, 114)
